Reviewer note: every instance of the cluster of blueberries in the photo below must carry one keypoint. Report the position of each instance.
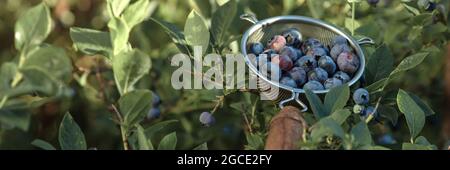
(305, 64)
(155, 112)
(361, 107)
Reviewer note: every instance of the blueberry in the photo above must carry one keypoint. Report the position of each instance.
(339, 40)
(317, 52)
(313, 85)
(269, 69)
(283, 61)
(358, 109)
(332, 82)
(256, 48)
(270, 52)
(361, 96)
(310, 44)
(288, 82)
(327, 63)
(338, 49)
(348, 62)
(277, 43)
(370, 111)
(427, 5)
(207, 119)
(290, 52)
(306, 62)
(342, 76)
(298, 74)
(373, 2)
(293, 37)
(154, 113)
(156, 100)
(299, 54)
(318, 74)
(386, 139)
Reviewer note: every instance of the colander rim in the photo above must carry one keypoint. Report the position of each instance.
(303, 19)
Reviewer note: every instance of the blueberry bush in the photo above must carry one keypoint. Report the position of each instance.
(96, 74)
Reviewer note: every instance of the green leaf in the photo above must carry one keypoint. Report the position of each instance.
(33, 27)
(221, 21)
(120, 33)
(129, 68)
(410, 146)
(37, 80)
(254, 141)
(369, 147)
(380, 64)
(316, 8)
(134, 106)
(389, 113)
(424, 106)
(43, 144)
(52, 60)
(136, 13)
(410, 62)
(70, 135)
(196, 31)
(340, 116)
(415, 117)
(317, 107)
(379, 85)
(411, 9)
(362, 134)
(91, 42)
(203, 146)
(7, 72)
(152, 130)
(169, 142)
(337, 98)
(142, 139)
(16, 119)
(326, 127)
(116, 7)
(175, 34)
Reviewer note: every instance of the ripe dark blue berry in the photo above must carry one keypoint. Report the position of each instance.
(310, 44)
(318, 74)
(342, 76)
(313, 85)
(256, 48)
(283, 61)
(298, 75)
(339, 40)
(387, 139)
(338, 49)
(361, 96)
(207, 119)
(348, 62)
(427, 5)
(293, 37)
(327, 63)
(370, 111)
(373, 2)
(306, 62)
(332, 82)
(317, 52)
(288, 82)
(156, 100)
(290, 52)
(154, 113)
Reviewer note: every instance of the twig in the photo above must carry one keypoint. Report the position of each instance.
(122, 129)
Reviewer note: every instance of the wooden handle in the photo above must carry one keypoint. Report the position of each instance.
(286, 129)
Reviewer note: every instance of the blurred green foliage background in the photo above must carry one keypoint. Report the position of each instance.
(388, 23)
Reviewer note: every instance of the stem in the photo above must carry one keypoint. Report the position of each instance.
(123, 131)
(353, 18)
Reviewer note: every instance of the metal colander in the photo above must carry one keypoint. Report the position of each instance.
(263, 30)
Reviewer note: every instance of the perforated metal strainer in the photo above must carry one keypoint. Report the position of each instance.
(263, 30)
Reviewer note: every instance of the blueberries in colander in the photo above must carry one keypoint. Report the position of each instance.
(307, 64)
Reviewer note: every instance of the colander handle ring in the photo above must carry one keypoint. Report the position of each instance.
(249, 17)
(366, 41)
(295, 96)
